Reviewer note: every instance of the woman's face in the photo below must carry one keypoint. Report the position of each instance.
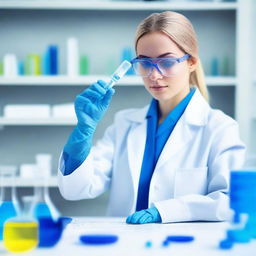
(165, 89)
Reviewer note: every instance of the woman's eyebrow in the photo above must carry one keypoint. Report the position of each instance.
(165, 54)
(160, 56)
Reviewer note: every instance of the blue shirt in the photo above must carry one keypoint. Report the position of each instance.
(155, 141)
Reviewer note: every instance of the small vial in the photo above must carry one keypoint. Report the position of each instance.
(119, 73)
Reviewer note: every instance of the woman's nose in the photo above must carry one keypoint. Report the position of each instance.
(155, 74)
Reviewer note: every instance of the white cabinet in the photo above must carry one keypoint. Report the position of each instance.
(103, 30)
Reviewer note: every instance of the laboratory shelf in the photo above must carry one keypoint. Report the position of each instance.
(37, 122)
(29, 182)
(63, 80)
(89, 79)
(116, 6)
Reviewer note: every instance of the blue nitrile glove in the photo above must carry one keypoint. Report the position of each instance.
(90, 106)
(150, 215)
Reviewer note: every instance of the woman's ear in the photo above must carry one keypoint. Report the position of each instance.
(192, 63)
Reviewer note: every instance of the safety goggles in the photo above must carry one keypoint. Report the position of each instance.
(165, 66)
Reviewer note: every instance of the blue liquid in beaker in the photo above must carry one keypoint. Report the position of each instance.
(7, 210)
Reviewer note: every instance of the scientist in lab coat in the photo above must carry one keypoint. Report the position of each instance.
(169, 161)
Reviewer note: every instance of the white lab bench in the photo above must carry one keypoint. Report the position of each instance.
(132, 239)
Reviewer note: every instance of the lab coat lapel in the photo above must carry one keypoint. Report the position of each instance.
(136, 145)
(179, 138)
(194, 116)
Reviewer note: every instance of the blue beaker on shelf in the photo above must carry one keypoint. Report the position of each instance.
(8, 199)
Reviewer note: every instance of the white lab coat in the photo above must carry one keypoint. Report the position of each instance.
(191, 177)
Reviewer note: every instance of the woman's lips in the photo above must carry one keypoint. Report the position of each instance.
(158, 87)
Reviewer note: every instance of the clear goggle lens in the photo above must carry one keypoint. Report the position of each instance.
(166, 67)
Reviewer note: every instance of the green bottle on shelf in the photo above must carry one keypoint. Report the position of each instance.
(1, 68)
(84, 65)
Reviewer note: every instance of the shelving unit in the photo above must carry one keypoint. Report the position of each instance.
(37, 122)
(103, 29)
(87, 80)
(253, 43)
(245, 73)
(24, 182)
(117, 6)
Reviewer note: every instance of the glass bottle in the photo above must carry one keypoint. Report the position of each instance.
(8, 199)
(21, 233)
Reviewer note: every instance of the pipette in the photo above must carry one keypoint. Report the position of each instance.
(119, 73)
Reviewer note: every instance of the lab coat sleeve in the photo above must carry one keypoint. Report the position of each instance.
(93, 176)
(227, 153)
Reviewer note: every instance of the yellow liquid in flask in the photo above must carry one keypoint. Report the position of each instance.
(20, 236)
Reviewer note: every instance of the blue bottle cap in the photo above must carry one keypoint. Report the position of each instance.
(98, 239)
(180, 239)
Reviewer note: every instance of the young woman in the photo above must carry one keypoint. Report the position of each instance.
(169, 161)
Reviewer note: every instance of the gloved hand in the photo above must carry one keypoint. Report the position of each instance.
(90, 106)
(150, 215)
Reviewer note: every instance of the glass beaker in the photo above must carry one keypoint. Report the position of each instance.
(8, 199)
(21, 232)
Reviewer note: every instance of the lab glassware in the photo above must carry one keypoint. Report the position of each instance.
(44, 206)
(8, 199)
(119, 73)
(21, 232)
(50, 225)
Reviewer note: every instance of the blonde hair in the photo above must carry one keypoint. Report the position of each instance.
(181, 31)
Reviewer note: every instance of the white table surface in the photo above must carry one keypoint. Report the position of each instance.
(132, 239)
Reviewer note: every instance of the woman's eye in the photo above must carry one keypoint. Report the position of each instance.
(167, 63)
(145, 64)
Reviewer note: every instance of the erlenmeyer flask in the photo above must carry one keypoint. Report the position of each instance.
(21, 232)
(50, 225)
(44, 206)
(8, 199)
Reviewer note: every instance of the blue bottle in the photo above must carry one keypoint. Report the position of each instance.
(243, 204)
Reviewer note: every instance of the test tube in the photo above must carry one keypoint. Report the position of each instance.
(119, 73)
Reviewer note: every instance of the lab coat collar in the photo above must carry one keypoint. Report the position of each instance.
(196, 112)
